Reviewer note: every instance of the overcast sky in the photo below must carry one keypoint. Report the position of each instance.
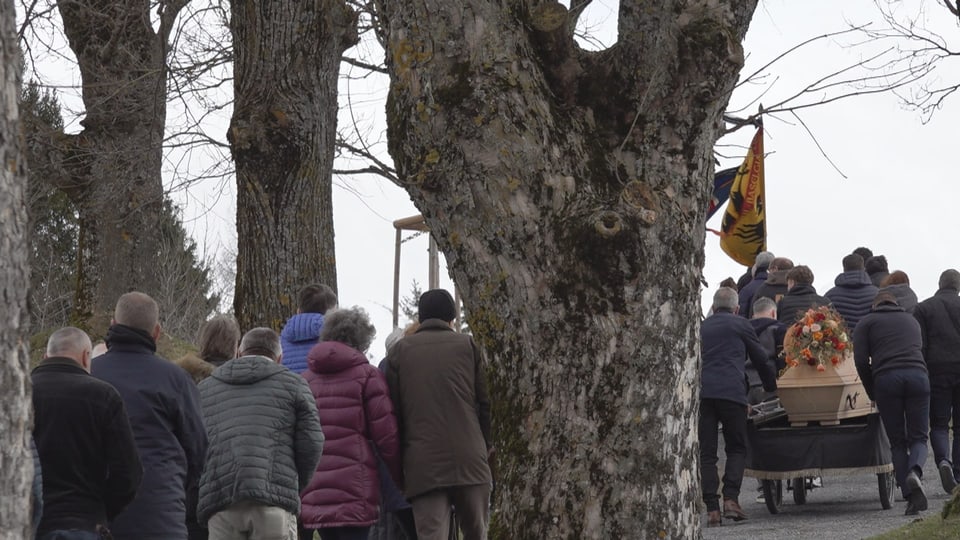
(899, 197)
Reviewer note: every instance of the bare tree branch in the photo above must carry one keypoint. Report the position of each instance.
(954, 7)
(364, 65)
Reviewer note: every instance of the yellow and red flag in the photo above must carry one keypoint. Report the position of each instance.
(743, 231)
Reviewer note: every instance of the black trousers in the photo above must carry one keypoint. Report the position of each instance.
(903, 399)
(944, 408)
(733, 417)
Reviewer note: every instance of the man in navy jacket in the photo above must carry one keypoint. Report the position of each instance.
(854, 293)
(726, 340)
(164, 409)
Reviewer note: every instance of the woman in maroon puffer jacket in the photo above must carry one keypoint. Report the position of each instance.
(342, 500)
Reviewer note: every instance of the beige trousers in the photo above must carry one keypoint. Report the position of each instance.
(252, 520)
(431, 512)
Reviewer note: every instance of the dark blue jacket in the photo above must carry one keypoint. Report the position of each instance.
(164, 409)
(939, 318)
(391, 496)
(726, 340)
(749, 291)
(298, 336)
(853, 296)
(888, 338)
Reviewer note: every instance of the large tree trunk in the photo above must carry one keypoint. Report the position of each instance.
(16, 412)
(568, 190)
(112, 170)
(286, 65)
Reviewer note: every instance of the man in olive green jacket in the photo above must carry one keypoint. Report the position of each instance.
(440, 397)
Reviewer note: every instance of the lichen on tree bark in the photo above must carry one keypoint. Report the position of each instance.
(567, 190)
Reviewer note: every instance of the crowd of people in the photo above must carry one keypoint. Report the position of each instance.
(260, 435)
(906, 352)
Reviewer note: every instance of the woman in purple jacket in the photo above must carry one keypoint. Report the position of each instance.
(342, 501)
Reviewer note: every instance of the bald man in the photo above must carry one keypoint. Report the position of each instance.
(164, 409)
(91, 468)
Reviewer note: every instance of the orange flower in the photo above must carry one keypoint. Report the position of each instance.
(818, 336)
(806, 353)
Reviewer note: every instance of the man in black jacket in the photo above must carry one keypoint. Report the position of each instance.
(91, 468)
(939, 318)
(164, 409)
(800, 296)
(770, 332)
(887, 351)
(726, 340)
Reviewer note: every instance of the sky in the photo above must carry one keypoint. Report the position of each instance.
(891, 186)
(900, 195)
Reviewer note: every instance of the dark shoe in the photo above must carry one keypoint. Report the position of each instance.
(946, 476)
(732, 510)
(917, 498)
(911, 509)
(713, 518)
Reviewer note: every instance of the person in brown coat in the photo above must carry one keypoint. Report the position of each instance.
(440, 397)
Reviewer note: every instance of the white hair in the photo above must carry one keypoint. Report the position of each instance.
(725, 298)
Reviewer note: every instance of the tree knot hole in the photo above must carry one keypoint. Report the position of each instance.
(608, 224)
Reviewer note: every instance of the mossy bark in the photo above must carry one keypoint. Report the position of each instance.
(282, 134)
(567, 190)
(16, 411)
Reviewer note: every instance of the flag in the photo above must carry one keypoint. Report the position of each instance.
(743, 231)
(722, 181)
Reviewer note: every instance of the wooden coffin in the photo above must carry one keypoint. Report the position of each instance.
(808, 395)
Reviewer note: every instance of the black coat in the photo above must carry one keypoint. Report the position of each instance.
(726, 341)
(906, 298)
(164, 409)
(797, 301)
(939, 318)
(774, 288)
(771, 333)
(888, 338)
(91, 468)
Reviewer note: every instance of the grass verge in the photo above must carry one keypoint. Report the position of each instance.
(928, 528)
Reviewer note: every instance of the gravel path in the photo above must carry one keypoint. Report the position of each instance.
(846, 507)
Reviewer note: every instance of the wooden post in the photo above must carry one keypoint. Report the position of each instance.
(433, 279)
(396, 279)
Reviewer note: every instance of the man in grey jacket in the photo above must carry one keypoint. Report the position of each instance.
(265, 443)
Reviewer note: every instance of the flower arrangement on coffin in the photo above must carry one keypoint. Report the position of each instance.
(819, 337)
